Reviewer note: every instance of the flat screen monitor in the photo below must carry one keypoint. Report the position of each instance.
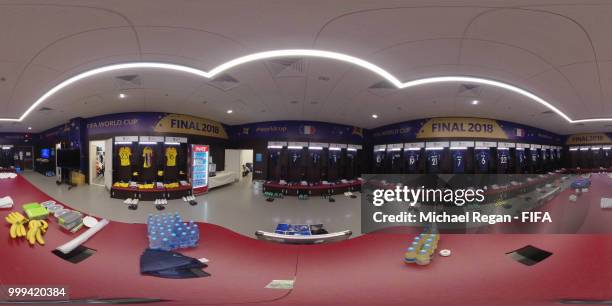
(69, 158)
(45, 153)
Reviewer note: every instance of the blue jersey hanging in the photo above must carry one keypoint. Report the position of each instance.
(458, 161)
(482, 160)
(274, 155)
(295, 157)
(503, 159)
(315, 157)
(433, 161)
(333, 158)
(395, 158)
(412, 160)
(520, 158)
(380, 157)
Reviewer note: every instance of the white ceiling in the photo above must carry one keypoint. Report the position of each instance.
(561, 51)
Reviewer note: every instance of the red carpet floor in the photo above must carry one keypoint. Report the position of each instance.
(367, 270)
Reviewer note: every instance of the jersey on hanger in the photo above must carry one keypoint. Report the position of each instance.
(315, 157)
(458, 161)
(333, 158)
(482, 160)
(295, 157)
(395, 158)
(379, 158)
(433, 161)
(171, 156)
(503, 158)
(520, 157)
(412, 160)
(124, 156)
(147, 157)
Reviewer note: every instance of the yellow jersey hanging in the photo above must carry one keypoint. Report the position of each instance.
(124, 156)
(171, 156)
(147, 156)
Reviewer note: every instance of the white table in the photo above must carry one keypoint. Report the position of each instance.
(222, 178)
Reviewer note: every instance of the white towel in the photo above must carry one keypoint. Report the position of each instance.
(74, 243)
(6, 202)
(7, 175)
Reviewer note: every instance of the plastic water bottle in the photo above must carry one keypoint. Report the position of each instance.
(153, 242)
(195, 235)
(190, 239)
(173, 241)
(184, 240)
(165, 244)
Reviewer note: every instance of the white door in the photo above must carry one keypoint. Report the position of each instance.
(232, 163)
(58, 170)
(108, 163)
(92, 162)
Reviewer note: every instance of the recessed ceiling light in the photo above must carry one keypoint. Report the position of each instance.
(29, 128)
(122, 96)
(229, 111)
(475, 102)
(375, 116)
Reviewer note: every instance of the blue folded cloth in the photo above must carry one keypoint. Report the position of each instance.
(168, 264)
(581, 183)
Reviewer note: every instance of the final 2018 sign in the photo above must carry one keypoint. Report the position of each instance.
(461, 127)
(183, 124)
(116, 124)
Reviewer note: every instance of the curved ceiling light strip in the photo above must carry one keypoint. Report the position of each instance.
(300, 53)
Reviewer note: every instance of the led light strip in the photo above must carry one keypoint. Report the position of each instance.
(300, 53)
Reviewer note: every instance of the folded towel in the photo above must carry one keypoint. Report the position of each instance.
(7, 175)
(6, 202)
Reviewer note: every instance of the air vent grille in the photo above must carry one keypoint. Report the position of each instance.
(469, 90)
(224, 82)
(128, 81)
(287, 67)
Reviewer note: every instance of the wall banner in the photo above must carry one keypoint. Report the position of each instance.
(185, 124)
(589, 138)
(143, 123)
(461, 127)
(298, 130)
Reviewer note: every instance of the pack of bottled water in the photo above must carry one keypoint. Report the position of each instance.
(169, 232)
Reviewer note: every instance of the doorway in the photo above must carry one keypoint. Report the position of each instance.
(97, 162)
(246, 163)
(239, 163)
